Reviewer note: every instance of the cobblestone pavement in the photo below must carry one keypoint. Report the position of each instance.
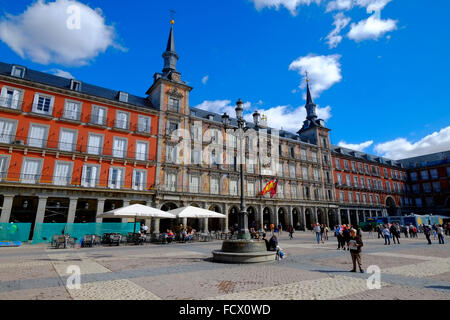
(410, 270)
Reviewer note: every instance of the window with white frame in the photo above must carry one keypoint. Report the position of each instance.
(350, 197)
(72, 110)
(194, 183)
(11, 98)
(294, 191)
(18, 71)
(233, 187)
(43, 104)
(280, 190)
(364, 198)
(339, 178)
(144, 124)
(316, 174)
(172, 127)
(119, 147)
(305, 173)
(98, 115)
(67, 140)
(139, 179)
(353, 166)
(280, 169)
(95, 144)
(7, 130)
(348, 180)
(122, 120)
(89, 176)
(214, 185)
(355, 181)
(75, 85)
(434, 173)
(369, 183)
(116, 178)
(303, 154)
(251, 189)
(123, 96)
(314, 156)
(371, 198)
(171, 181)
(424, 174)
(362, 181)
(342, 196)
(171, 154)
(141, 151)
(377, 199)
(358, 198)
(37, 136)
(4, 164)
(196, 157)
(174, 104)
(31, 170)
(292, 170)
(62, 175)
(388, 186)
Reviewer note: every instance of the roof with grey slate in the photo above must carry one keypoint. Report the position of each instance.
(86, 88)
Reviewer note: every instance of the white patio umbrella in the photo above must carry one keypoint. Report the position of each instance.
(194, 212)
(135, 211)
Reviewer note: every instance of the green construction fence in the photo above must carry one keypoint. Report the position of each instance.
(44, 232)
(15, 231)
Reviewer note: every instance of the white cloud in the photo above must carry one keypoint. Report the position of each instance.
(339, 5)
(291, 5)
(278, 117)
(61, 73)
(340, 22)
(205, 79)
(42, 33)
(372, 5)
(358, 147)
(401, 148)
(323, 71)
(290, 119)
(371, 28)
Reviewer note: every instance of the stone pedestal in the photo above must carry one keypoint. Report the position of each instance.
(243, 251)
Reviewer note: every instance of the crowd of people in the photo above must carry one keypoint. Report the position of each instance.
(393, 231)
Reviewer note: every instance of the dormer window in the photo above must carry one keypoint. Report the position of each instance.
(211, 117)
(123, 97)
(18, 71)
(75, 85)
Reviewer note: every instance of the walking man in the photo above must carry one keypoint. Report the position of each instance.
(440, 232)
(427, 232)
(386, 235)
(355, 245)
(317, 231)
(394, 233)
(291, 231)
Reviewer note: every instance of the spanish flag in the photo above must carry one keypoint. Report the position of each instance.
(271, 187)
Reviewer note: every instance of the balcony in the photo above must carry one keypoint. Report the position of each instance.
(58, 146)
(98, 120)
(121, 125)
(70, 182)
(9, 104)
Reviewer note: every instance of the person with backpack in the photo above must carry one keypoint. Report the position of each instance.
(291, 231)
(317, 230)
(346, 236)
(394, 233)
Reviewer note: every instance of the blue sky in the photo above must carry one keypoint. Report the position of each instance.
(383, 85)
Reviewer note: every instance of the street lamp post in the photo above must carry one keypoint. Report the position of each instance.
(243, 232)
(244, 249)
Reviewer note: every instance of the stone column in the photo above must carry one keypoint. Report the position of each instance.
(155, 226)
(100, 209)
(275, 218)
(338, 212)
(72, 210)
(40, 214)
(357, 216)
(314, 217)
(225, 221)
(126, 203)
(348, 216)
(327, 217)
(260, 214)
(302, 209)
(6, 210)
(148, 221)
(290, 218)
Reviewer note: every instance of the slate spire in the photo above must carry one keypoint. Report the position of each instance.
(170, 56)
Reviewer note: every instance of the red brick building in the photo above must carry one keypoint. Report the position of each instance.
(70, 150)
(366, 185)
